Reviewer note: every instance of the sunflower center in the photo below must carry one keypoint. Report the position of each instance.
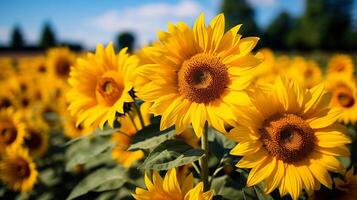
(109, 90)
(288, 137)
(34, 141)
(8, 133)
(42, 69)
(343, 96)
(22, 169)
(25, 102)
(309, 73)
(340, 68)
(5, 103)
(63, 67)
(203, 78)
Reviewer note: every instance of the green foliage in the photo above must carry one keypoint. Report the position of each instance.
(17, 40)
(171, 154)
(219, 144)
(85, 150)
(234, 187)
(277, 33)
(47, 38)
(150, 136)
(126, 39)
(101, 180)
(240, 12)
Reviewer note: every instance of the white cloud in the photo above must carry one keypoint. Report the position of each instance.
(262, 2)
(146, 20)
(4, 34)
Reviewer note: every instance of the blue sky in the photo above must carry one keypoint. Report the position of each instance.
(97, 21)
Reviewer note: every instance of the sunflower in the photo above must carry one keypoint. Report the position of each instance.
(32, 65)
(344, 97)
(52, 89)
(5, 100)
(100, 86)
(306, 71)
(6, 68)
(59, 62)
(172, 187)
(69, 126)
(197, 74)
(129, 125)
(289, 138)
(348, 186)
(340, 64)
(36, 138)
(12, 130)
(24, 92)
(17, 170)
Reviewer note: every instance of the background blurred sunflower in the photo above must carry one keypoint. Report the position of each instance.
(340, 64)
(12, 129)
(100, 86)
(59, 62)
(344, 96)
(17, 170)
(36, 138)
(347, 186)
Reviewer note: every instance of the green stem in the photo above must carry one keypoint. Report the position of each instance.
(133, 122)
(204, 159)
(139, 114)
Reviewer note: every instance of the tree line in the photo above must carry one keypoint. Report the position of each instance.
(324, 25)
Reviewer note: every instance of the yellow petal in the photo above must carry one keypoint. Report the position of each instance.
(251, 161)
(242, 134)
(329, 162)
(321, 174)
(332, 139)
(306, 178)
(200, 33)
(327, 120)
(334, 151)
(245, 148)
(259, 173)
(198, 119)
(274, 181)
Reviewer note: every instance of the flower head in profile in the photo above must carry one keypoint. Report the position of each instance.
(59, 62)
(36, 138)
(347, 186)
(344, 96)
(12, 129)
(306, 71)
(196, 74)
(340, 64)
(289, 138)
(172, 187)
(100, 85)
(17, 170)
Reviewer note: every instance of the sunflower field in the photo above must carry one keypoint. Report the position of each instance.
(199, 114)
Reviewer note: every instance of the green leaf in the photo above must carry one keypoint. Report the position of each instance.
(150, 137)
(170, 154)
(110, 185)
(228, 188)
(219, 144)
(96, 133)
(101, 180)
(104, 158)
(85, 150)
